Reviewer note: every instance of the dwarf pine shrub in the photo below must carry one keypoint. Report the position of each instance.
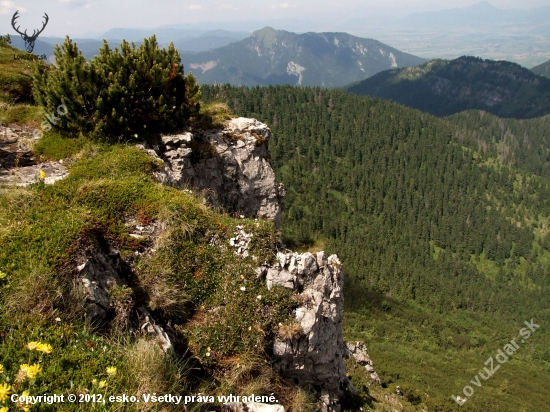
(120, 93)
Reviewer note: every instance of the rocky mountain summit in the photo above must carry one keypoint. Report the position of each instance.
(270, 57)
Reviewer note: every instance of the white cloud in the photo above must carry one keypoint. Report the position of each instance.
(283, 6)
(9, 7)
(194, 7)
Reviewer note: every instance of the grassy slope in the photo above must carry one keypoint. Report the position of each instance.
(43, 230)
(16, 87)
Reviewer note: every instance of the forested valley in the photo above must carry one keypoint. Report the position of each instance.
(442, 226)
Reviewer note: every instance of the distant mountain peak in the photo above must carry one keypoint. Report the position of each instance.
(483, 5)
(272, 56)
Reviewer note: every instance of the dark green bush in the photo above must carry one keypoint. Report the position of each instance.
(118, 94)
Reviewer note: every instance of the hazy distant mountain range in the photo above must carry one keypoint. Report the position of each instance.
(542, 69)
(311, 59)
(443, 87)
(483, 13)
(186, 41)
(522, 36)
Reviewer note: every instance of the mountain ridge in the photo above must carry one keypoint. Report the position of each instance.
(272, 56)
(443, 87)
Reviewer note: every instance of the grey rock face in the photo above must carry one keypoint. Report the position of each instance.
(314, 358)
(230, 164)
(359, 352)
(98, 275)
(18, 165)
(27, 175)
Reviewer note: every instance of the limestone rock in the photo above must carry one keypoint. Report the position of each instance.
(314, 358)
(241, 241)
(251, 407)
(27, 175)
(231, 165)
(359, 352)
(102, 272)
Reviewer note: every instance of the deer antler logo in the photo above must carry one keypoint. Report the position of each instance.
(29, 40)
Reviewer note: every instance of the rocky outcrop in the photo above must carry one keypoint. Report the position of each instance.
(231, 165)
(100, 274)
(311, 354)
(18, 164)
(359, 352)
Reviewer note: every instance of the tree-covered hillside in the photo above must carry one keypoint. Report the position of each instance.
(444, 87)
(519, 143)
(445, 247)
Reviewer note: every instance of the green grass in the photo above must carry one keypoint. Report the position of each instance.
(16, 76)
(435, 355)
(23, 114)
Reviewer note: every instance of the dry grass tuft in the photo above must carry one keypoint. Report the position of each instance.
(246, 374)
(300, 401)
(214, 115)
(151, 370)
(165, 294)
(289, 332)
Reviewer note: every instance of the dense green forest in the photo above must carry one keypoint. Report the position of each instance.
(445, 245)
(524, 144)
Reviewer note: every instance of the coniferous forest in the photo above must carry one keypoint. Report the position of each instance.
(441, 223)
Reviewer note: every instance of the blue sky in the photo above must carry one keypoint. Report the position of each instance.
(75, 17)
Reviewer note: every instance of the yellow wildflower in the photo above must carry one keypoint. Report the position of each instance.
(42, 175)
(5, 390)
(102, 384)
(30, 370)
(2, 275)
(94, 381)
(4, 409)
(111, 371)
(34, 370)
(32, 345)
(44, 348)
(1, 369)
